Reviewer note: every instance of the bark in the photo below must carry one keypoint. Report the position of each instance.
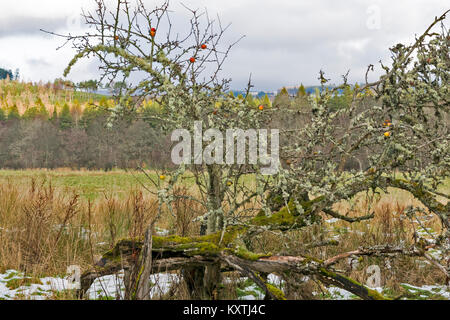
(193, 277)
(143, 281)
(212, 275)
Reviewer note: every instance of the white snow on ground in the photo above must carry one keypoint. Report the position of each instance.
(425, 292)
(112, 287)
(341, 294)
(252, 292)
(428, 290)
(36, 291)
(107, 287)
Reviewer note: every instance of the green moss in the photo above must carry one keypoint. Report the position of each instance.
(219, 239)
(201, 245)
(309, 206)
(123, 247)
(309, 259)
(275, 291)
(201, 248)
(275, 201)
(288, 216)
(133, 295)
(248, 255)
(12, 275)
(283, 218)
(160, 241)
(376, 295)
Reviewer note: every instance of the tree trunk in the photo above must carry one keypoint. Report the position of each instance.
(143, 284)
(137, 276)
(193, 277)
(212, 276)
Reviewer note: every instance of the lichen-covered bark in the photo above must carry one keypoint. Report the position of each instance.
(177, 253)
(426, 197)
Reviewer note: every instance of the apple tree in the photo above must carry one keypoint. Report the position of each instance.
(399, 122)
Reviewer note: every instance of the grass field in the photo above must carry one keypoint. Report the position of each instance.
(89, 184)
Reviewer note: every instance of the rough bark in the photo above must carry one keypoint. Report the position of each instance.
(145, 270)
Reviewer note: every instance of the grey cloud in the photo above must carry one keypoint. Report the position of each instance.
(22, 25)
(289, 45)
(38, 62)
(287, 41)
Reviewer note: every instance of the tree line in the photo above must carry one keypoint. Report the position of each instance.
(78, 136)
(77, 139)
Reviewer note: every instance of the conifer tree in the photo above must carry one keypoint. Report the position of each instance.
(282, 99)
(65, 118)
(284, 92)
(2, 115)
(301, 91)
(266, 101)
(250, 100)
(13, 113)
(54, 117)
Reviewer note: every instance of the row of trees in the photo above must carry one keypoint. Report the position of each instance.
(78, 135)
(5, 74)
(78, 140)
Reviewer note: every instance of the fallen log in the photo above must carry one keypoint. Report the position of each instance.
(177, 253)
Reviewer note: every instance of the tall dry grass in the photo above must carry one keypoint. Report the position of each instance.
(44, 230)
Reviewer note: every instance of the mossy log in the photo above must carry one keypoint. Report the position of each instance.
(176, 253)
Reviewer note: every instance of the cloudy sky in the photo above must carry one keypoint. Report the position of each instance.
(286, 41)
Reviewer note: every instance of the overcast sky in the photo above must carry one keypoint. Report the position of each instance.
(286, 41)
